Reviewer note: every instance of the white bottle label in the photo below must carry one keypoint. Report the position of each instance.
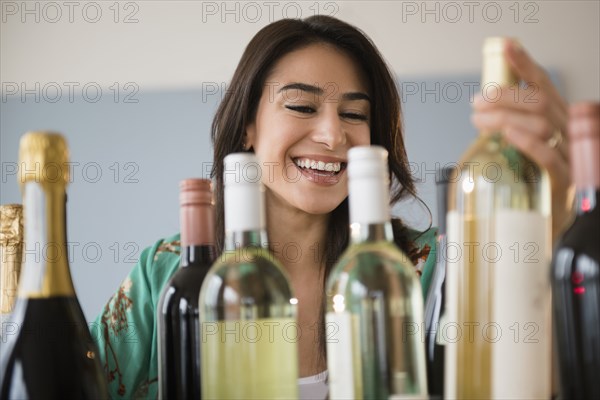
(521, 355)
(339, 355)
(515, 248)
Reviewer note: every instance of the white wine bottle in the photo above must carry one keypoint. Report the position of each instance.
(374, 297)
(52, 356)
(498, 286)
(247, 310)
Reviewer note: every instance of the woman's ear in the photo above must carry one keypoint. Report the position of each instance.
(249, 137)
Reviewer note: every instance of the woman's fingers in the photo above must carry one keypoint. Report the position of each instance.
(538, 127)
(558, 171)
(537, 96)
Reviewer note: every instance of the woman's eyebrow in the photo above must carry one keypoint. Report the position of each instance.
(318, 91)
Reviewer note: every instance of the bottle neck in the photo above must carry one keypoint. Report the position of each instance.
(374, 232)
(45, 269)
(250, 238)
(196, 220)
(197, 255)
(586, 200)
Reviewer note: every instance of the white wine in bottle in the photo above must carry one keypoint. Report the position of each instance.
(498, 287)
(374, 298)
(52, 355)
(247, 310)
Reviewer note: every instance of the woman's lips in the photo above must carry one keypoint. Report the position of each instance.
(323, 178)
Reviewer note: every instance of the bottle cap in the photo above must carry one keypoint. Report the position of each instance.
(11, 223)
(43, 157)
(584, 138)
(195, 191)
(243, 193)
(496, 69)
(196, 215)
(368, 185)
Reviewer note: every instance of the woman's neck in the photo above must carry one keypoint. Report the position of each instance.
(298, 240)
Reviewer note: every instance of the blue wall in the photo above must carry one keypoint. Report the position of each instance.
(143, 149)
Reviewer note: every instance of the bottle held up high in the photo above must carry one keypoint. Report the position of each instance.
(498, 290)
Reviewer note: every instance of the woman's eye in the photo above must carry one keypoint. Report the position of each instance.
(355, 116)
(302, 109)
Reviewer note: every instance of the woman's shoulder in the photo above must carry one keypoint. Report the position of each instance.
(158, 262)
(167, 248)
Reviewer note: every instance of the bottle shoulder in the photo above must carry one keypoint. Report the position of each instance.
(583, 235)
(366, 261)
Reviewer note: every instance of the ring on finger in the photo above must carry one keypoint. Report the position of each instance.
(556, 139)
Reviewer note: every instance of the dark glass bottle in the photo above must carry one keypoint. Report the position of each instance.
(178, 318)
(435, 301)
(576, 265)
(50, 353)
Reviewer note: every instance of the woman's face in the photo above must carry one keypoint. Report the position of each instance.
(314, 107)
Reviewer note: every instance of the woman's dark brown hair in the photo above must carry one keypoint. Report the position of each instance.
(239, 105)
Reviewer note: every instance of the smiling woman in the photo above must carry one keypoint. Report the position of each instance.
(305, 130)
(304, 93)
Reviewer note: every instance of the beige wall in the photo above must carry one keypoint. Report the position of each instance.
(190, 43)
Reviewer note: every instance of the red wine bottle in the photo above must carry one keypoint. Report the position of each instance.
(50, 353)
(435, 301)
(178, 318)
(576, 265)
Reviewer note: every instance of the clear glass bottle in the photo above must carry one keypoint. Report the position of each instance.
(497, 289)
(374, 297)
(248, 322)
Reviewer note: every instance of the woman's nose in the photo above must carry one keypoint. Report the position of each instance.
(329, 130)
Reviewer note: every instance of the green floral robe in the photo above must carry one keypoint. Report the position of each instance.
(126, 332)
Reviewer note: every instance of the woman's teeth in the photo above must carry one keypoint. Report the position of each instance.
(318, 165)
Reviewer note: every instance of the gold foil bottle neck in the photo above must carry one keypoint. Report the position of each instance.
(11, 223)
(11, 251)
(496, 69)
(44, 158)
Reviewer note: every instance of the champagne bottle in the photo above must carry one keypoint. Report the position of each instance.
(374, 298)
(178, 324)
(435, 303)
(247, 310)
(498, 288)
(576, 265)
(52, 356)
(11, 251)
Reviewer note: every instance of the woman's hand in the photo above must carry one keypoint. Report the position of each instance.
(534, 120)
